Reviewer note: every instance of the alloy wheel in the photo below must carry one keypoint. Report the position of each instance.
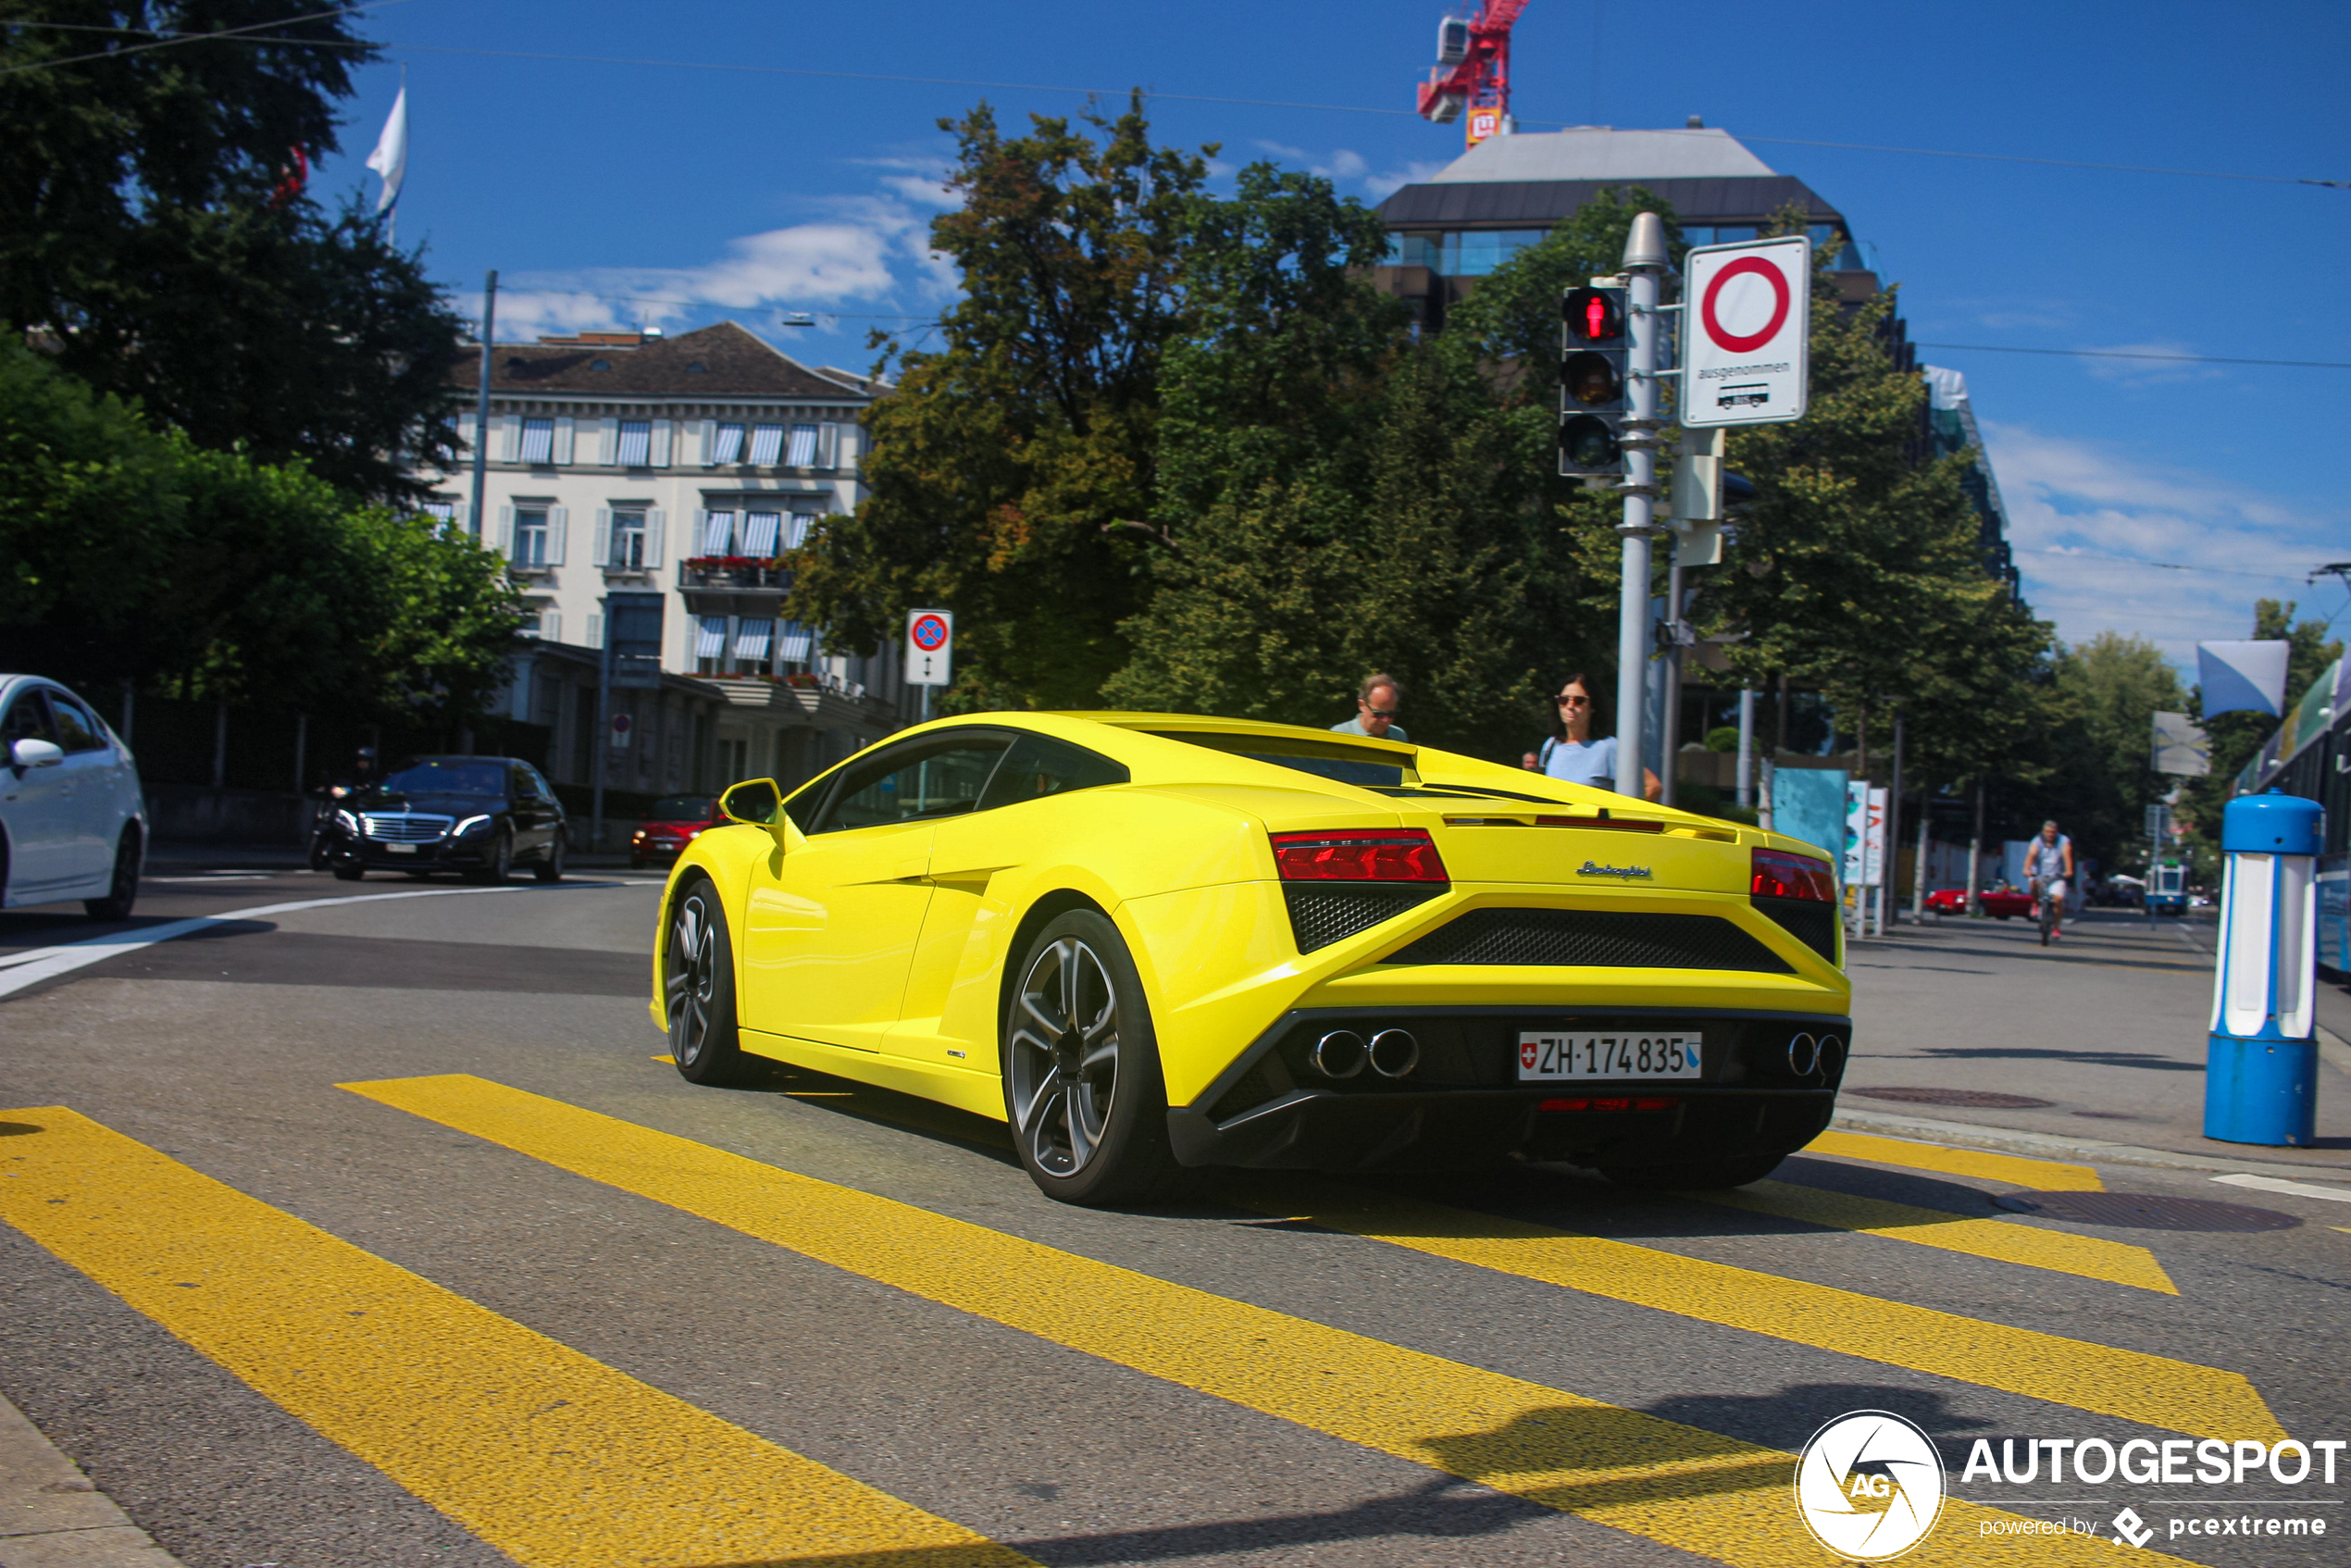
(1065, 1055)
(689, 980)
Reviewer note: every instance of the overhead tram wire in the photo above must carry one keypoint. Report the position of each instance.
(2125, 354)
(170, 40)
(1116, 92)
(2163, 566)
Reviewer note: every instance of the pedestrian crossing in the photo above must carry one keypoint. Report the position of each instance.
(558, 1460)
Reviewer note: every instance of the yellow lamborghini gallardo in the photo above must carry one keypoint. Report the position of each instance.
(1157, 940)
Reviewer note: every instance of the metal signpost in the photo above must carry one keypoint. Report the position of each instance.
(930, 651)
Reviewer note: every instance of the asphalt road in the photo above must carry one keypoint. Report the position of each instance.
(375, 1233)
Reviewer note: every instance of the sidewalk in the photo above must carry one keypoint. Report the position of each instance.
(2098, 1041)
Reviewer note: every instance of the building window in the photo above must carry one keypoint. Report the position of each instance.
(801, 523)
(710, 645)
(444, 512)
(803, 447)
(718, 533)
(766, 445)
(627, 541)
(759, 533)
(636, 443)
(752, 640)
(794, 646)
(530, 537)
(727, 444)
(538, 441)
(1414, 249)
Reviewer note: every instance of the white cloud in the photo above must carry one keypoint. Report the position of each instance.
(1339, 164)
(1395, 179)
(2148, 372)
(2074, 506)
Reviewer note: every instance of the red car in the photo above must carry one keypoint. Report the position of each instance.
(1999, 903)
(673, 822)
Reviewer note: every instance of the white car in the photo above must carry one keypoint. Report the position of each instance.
(73, 824)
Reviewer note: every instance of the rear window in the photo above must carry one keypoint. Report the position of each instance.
(1326, 759)
(1040, 765)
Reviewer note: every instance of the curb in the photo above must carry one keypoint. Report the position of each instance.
(2010, 1142)
(51, 1517)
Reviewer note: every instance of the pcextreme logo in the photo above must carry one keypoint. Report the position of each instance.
(1869, 1486)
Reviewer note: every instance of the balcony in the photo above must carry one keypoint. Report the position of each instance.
(732, 585)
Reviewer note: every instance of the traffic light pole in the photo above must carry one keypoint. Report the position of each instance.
(1645, 262)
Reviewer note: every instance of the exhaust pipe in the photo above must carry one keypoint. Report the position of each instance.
(1338, 1055)
(1395, 1053)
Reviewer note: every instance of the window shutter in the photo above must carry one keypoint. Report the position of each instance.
(461, 518)
(506, 531)
(595, 632)
(510, 444)
(661, 442)
(566, 428)
(846, 459)
(601, 543)
(608, 440)
(653, 539)
(466, 432)
(707, 436)
(551, 626)
(558, 525)
(827, 444)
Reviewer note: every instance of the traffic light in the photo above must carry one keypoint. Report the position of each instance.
(1595, 337)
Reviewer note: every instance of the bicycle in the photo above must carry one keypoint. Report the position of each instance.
(2045, 910)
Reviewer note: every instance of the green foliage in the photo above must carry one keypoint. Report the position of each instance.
(133, 554)
(141, 237)
(2103, 696)
(1011, 472)
(2236, 738)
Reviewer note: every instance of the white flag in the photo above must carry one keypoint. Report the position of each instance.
(390, 156)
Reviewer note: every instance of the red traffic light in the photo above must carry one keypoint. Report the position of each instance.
(1595, 316)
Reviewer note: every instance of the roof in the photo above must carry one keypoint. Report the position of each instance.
(1538, 204)
(1593, 151)
(713, 362)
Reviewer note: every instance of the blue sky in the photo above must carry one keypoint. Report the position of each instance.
(594, 187)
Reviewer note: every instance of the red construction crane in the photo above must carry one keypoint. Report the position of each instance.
(1472, 77)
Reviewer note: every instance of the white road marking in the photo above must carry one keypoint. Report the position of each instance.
(36, 964)
(2299, 1188)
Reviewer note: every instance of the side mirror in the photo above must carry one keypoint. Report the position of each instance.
(30, 752)
(757, 803)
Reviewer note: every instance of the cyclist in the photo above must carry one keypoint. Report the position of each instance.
(2048, 870)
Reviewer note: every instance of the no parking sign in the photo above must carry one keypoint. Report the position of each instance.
(931, 648)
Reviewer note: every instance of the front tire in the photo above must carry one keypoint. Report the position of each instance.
(1082, 1085)
(552, 868)
(698, 991)
(1696, 1176)
(352, 872)
(123, 891)
(502, 861)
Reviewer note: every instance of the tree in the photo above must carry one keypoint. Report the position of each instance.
(2237, 737)
(135, 554)
(1013, 468)
(151, 237)
(2105, 694)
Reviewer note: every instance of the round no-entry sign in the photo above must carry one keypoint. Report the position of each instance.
(1744, 350)
(929, 632)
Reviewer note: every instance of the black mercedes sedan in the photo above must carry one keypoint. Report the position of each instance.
(481, 817)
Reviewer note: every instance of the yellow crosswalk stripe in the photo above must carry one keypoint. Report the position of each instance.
(2045, 1176)
(2092, 1257)
(1694, 1489)
(555, 1459)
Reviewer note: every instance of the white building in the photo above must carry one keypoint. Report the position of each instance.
(648, 485)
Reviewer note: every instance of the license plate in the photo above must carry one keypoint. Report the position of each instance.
(401, 849)
(1547, 1057)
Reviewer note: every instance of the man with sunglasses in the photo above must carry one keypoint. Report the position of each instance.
(1572, 754)
(1375, 704)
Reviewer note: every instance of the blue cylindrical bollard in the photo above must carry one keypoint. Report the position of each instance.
(2261, 1068)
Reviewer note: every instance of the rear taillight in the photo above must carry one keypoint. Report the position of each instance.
(1779, 875)
(1393, 854)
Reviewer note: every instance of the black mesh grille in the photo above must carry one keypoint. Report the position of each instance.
(1593, 938)
(1255, 1088)
(1321, 915)
(1812, 922)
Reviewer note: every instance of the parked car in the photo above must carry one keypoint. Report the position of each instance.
(2000, 904)
(73, 824)
(481, 817)
(673, 822)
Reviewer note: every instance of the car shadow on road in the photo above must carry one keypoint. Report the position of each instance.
(2146, 1059)
(885, 1107)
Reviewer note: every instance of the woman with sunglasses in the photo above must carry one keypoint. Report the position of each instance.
(1572, 754)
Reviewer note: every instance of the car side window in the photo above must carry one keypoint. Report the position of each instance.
(27, 719)
(938, 776)
(1038, 766)
(77, 731)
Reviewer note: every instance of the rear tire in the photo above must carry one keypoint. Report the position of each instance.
(698, 991)
(123, 891)
(1082, 1084)
(1695, 1175)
